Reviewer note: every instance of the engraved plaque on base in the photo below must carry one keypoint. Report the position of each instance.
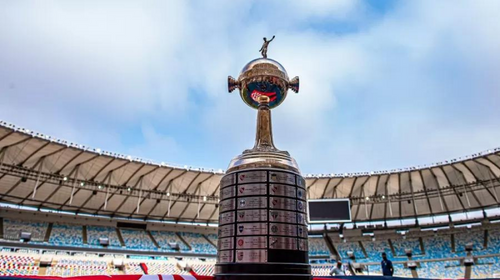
(251, 242)
(227, 180)
(283, 190)
(225, 256)
(303, 244)
(252, 229)
(282, 216)
(301, 219)
(302, 231)
(282, 203)
(226, 205)
(225, 231)
(252, 189)
(252, 202)
(252, 215)
(301, 206)
(287, 243)
(281, 177)
(227, 192)
(225, 243)
(252, 177)
(251, 256)
(282, 229)
(226, 218)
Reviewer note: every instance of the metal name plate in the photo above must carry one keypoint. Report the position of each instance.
(252, 202)
(251, 215)
(251, 242)
(301, 182)
(225, 231)
(224, 256)
(303, 244)
(301, 206)
(227, 192)
(252, 189)
(282, 203)
(226, 205)
(226, 218)
(282, 216)
(225, 243)
(283, 190)
(286, 243)
(227, 180)
(301, 219)
(301, 194)
(251, 256)
(282, 229)
(280, 177)
(252, 176)
(251, 229)
(302, 231)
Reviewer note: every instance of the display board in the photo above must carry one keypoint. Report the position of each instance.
(323, 211)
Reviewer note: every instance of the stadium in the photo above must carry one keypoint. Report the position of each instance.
(375, 85)
(70, 210)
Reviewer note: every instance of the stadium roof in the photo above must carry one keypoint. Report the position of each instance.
(40, 171)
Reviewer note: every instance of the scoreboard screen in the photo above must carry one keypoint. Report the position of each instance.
(329, 210)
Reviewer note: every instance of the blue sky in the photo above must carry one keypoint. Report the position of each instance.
(384, 84)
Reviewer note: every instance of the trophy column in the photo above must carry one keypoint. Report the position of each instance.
(262, 212)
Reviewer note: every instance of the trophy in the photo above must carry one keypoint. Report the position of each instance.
(263, 207)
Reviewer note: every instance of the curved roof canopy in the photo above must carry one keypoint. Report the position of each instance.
(41, 171)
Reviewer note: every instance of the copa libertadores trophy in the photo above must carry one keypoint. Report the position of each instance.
(262, 209)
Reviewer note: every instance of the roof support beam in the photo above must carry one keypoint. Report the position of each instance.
(196, 190)
(465, 186)
(78, 190)
(203, 206)
(326, 187)
(415, 209)
(184, 192)
(453, 187)
(441, 198)
(425, 191)
(124, 184)
(494, 194)
(166, 188)
(376, 194)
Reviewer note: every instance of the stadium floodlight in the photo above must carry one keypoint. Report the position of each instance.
(82, 184)
(204, 198)
(65, 178)
(168, 194)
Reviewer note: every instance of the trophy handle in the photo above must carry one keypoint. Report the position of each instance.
(232, 84)
(294, 84)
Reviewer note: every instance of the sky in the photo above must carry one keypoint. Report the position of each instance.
(384, 84)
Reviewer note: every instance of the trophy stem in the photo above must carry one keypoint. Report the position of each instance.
(264, 133)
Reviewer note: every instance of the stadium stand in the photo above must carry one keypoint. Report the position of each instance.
(438, 247)
(317, 247)
(354, 247)
(96, 232)
(66, 234)
(374, 250)
(476, 237)
(198, 243)
(137, 240)
(79, 267)
(12, 229)
(409, 243)
(163, 238)
(17, 265)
